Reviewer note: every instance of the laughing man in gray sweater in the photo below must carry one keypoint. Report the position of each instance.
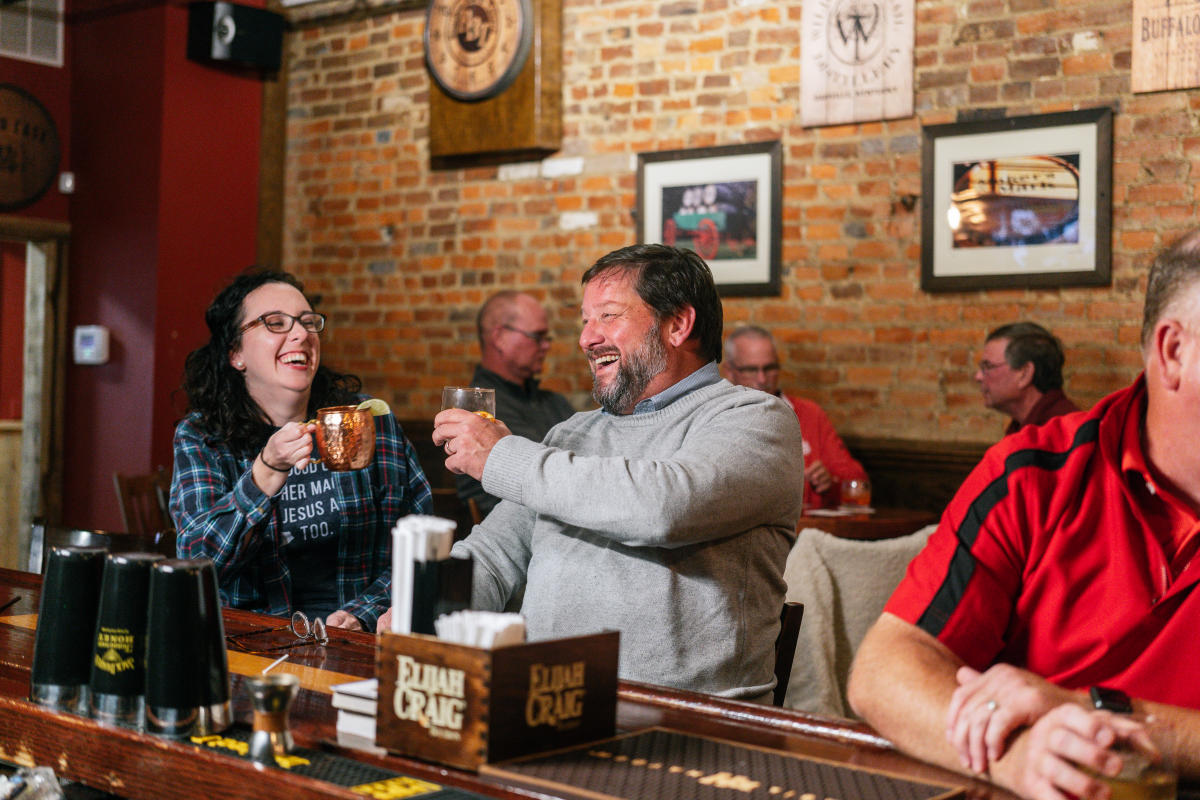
(668, 513)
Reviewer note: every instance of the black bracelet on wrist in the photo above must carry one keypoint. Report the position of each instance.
(263, 459)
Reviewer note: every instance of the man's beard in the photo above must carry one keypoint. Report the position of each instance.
(635, 370)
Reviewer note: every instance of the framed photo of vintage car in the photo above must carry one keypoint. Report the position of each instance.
(722, 202)
(1017, 203)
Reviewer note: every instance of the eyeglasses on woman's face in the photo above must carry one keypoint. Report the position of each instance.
(282, 322)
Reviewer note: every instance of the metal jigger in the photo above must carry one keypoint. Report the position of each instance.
(271, 696)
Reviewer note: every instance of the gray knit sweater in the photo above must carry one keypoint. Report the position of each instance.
(671, 526)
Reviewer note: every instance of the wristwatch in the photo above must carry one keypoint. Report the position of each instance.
(1107, 699)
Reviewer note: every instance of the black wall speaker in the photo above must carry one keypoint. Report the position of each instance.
(227, 33)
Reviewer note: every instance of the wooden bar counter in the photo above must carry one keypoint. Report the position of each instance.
(135, 765)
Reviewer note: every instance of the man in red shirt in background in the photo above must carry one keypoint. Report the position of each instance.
(751, 360)
(1020, 374)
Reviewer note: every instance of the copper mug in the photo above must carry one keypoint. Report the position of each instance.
(345, 437)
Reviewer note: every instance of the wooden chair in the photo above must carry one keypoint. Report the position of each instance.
(785, 648)
(43, 537)
(143, 501)
(161, 542)
(476, 511)
(845, 584)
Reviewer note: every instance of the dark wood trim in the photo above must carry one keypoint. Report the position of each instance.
(272, 153)
(32, 229)
(522, 121)
(676, 701)
(911, 473)
(339, 12)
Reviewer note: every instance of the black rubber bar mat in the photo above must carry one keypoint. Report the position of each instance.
(665, 765)
(366, 779)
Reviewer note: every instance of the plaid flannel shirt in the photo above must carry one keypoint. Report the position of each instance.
(221, 514)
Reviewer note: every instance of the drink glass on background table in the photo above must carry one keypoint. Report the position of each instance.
(856, 494)
(470, 398)
(345, 437)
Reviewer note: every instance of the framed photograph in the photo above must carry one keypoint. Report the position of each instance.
(1022, 202)
(722, 202)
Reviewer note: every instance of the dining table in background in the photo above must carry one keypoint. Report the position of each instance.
(880, 523)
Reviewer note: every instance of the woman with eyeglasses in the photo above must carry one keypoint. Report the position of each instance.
(285, 534)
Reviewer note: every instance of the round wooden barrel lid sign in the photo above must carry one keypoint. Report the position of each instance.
(29, 148)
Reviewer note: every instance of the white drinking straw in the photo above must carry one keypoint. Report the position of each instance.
(274, 664)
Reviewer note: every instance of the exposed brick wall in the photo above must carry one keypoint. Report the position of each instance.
(403, 254)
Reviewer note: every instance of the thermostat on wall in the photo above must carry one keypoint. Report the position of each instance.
(91, 344)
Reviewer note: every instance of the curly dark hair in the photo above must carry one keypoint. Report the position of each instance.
(217, 391)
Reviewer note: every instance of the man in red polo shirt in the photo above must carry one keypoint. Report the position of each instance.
(1061, 582)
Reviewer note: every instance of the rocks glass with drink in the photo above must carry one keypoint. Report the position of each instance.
(470, 398)
(856, 495)
(1141, 777)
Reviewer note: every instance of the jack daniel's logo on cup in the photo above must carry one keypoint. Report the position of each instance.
(555, 695)
(114, 650)
(431, 696)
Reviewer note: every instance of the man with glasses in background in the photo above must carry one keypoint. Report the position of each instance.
(751, 360)
(514, 338)
(1020, 374)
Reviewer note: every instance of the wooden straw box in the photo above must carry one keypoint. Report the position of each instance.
(466, 706)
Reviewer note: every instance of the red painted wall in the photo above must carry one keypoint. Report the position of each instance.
(166, 161)
(12, 327)
(208, 210)
(117, 117)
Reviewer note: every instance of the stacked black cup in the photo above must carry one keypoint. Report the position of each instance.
(118, 676)
(187, 674)
(62, 648)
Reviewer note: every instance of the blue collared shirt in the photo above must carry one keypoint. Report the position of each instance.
(705, 376)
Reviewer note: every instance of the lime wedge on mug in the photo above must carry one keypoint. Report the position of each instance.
(376, 406)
